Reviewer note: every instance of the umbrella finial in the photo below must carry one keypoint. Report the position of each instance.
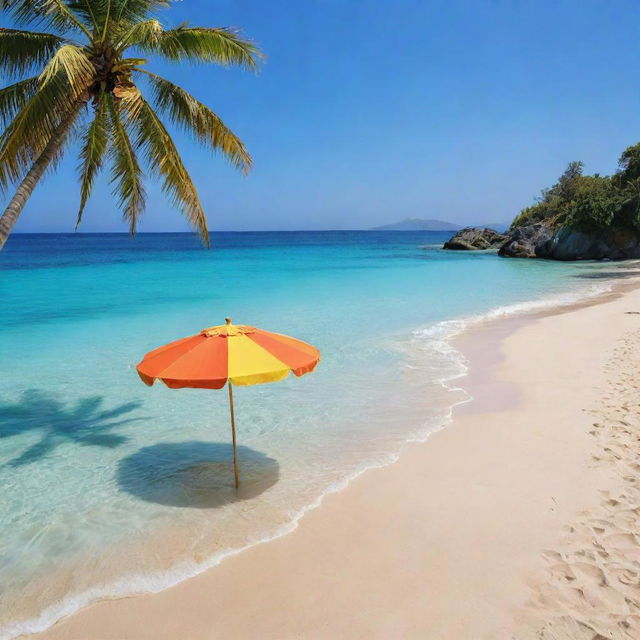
(227, 320)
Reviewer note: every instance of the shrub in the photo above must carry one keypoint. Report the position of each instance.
(590, 203)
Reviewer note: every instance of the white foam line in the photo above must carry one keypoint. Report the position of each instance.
(452, 328)
(438, 336)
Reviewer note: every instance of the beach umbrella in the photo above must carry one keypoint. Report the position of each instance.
(228, 354)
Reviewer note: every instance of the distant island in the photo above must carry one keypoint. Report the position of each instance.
(418, 224)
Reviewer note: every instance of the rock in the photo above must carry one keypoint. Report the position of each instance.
(474, 238)
(527, 242)
(539, 241)
(615, 244)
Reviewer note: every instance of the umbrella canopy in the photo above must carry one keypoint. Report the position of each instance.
(237, 354)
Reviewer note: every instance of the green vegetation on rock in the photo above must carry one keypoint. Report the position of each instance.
(590, 203)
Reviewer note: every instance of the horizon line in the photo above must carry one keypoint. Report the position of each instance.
(140, 233)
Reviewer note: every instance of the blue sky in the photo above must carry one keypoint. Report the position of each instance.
(369, 111)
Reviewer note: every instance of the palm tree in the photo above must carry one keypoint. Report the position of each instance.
(76, 81)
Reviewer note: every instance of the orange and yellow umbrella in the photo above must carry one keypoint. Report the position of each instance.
(233, 354)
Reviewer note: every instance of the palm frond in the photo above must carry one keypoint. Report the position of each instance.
(53, 13)
(114, 14)
(32, 127)
(15, 97)
(163, 159)
(128, 64)
(136, 10)
(89, 11)
(73, 62)
(126, 173)
(198, 120)
(202, 44)
(146, 31)
(25, 51)
(94, 146)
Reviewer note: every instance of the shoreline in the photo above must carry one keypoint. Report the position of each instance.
(83, 624)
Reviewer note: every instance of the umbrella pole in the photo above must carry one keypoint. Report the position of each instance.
(233, 435)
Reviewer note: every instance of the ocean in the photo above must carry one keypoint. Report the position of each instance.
(108, 487)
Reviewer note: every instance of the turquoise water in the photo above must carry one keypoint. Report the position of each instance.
(110, 487)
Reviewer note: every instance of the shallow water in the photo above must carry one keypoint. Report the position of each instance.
(109, 487)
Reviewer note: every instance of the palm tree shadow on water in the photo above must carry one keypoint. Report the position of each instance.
(195, 474)
(85, 422)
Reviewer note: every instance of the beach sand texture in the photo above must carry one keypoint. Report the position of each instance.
(519, 520)
(591, 588)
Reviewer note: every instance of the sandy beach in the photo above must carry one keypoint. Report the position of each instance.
(319, 323)
(518, 520)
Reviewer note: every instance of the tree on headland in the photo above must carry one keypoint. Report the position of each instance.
(80, 79)
(590, 203)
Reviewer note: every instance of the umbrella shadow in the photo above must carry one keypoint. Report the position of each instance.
(85, 422)
(195, 474)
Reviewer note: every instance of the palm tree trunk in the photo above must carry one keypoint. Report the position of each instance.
(38, 168)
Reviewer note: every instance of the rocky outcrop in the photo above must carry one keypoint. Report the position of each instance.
(527, 242)
(539, 241)
(614, 244)
(475, 238)
(542, 241)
